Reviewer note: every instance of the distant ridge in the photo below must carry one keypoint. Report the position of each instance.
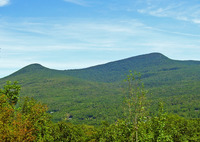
(117, 70)
(151, 57)
(149, 65)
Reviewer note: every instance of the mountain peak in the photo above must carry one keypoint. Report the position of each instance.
(35, 66)
(30, 69)
(154, 55)
(150, 59)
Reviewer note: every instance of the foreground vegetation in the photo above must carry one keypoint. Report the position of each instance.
(28, 120)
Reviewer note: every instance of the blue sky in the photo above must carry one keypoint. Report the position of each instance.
(69, 34)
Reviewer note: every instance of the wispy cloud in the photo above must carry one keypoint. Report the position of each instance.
(85, 35)
(180, 10)
(4, 2)
(78, 2)
(173, 32)
(88, 35)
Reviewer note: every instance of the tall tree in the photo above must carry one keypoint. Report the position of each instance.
(135, 100)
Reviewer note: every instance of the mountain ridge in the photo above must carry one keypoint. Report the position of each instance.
(36, 66)
(147, 64)
(155, 56)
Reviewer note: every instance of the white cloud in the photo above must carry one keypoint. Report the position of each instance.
(197, 21)
(4, 2)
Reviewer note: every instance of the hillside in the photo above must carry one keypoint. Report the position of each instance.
(155, 68)
(117, 70)
(85, 101)
(94, 94)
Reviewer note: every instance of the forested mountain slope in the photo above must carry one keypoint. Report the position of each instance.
(155, 68)
(96, 93)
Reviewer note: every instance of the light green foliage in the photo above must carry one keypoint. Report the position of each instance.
(119, 131)
(11, 90)
(136, 102)
(67, 132)
(135, 98)
(159, 127)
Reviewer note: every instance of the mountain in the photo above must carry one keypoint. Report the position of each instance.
(151, 66)
(117, 70)
(156, 69)
(94, 94)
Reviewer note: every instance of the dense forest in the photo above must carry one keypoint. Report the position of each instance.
(95, 94)
(28, 120)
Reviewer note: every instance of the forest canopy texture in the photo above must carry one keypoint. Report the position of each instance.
(27, 120)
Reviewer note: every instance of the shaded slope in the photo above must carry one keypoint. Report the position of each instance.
(117, 71)
(156, 69)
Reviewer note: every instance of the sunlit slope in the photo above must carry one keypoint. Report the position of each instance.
(85, 101)
(94, 94)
